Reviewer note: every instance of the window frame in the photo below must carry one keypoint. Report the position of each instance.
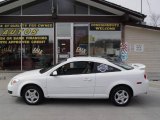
(87, 62)
(96, 71)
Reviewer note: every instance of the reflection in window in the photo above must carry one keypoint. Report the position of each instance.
(38, 7)
(81, 40)
(71, 7)
(65, 6)
(10, 57)
(37, 46)
(80, 8)
(81, 67)
(10, 48)
(96, 11)
(105, 43)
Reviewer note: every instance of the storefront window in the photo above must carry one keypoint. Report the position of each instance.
(37, 45)
(105, 40)
(10, 49)
(71, 7)
(96, 11)
(36, 48)
(38, 7)
(81, 40)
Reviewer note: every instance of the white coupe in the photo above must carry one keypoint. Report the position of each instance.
(81, 77)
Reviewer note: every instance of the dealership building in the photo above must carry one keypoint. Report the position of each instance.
(40, 33)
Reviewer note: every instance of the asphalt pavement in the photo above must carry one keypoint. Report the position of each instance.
(143, 107)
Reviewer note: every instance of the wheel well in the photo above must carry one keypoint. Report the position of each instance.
(30, 85)
(122, 85)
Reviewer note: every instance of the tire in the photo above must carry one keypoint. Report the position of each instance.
(32, 95)
(120, 96)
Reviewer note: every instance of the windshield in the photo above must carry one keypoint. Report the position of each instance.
(43, 70)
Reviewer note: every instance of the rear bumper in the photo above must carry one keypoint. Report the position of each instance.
(142, 88)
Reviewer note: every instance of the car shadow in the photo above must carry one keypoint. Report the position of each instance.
(146, 100)
(77, 102)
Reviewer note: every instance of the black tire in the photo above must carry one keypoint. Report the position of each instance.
(32, 95)
(120, 96)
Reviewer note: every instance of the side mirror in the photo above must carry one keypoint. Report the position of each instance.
(54, 73)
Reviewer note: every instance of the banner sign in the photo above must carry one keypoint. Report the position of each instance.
(105, 27)
(25, 39)
(27, 25)
(29, 33)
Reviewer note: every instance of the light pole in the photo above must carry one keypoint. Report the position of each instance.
(141, 5)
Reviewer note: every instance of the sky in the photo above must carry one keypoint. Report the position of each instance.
(136, 6)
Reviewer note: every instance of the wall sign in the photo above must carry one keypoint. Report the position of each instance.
(31, 33)
(25, 39)
(138, 48)
(105, 27)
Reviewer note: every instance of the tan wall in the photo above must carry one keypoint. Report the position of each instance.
(151, 54)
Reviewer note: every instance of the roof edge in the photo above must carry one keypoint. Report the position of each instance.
(121, 8)
(145, 26)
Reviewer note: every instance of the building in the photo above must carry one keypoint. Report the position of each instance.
(144, 47)
(38, 33)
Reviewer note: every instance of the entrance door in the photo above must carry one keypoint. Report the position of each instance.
(63, 49)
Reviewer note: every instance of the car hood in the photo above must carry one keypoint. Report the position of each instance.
(27, 74)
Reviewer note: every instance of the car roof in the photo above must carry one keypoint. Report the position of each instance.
(93, 59)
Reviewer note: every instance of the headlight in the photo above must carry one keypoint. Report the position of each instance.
(14, 82)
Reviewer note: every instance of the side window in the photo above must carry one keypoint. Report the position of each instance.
(101, 68)
(80, 67)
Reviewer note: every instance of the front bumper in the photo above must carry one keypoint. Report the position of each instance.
(10, 92)
(13, 90)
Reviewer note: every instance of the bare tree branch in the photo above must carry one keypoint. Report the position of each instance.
(155, 19)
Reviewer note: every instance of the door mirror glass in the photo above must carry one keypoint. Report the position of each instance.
(54, 73)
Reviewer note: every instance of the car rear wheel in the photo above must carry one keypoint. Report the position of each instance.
(32, 95)
(120, 96)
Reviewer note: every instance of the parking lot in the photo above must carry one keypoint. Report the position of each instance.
(144, 107)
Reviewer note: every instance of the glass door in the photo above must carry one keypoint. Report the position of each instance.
(63, 49)
(64, 41)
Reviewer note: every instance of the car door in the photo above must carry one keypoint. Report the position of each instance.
(106, 75)
(73, 79)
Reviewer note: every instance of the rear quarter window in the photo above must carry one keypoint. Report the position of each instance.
(102, 68)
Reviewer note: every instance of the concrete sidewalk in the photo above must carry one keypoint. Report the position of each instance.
(154, 84)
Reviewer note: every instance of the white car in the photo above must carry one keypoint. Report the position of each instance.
(81, 77)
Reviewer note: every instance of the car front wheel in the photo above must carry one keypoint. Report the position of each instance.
(32, 95)
(120, 96)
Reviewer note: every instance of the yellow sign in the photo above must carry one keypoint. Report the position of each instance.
(26, 29)
(25, 39)
(105, 27)
(27, 25)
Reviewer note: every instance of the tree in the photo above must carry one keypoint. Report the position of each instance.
(155, 19)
